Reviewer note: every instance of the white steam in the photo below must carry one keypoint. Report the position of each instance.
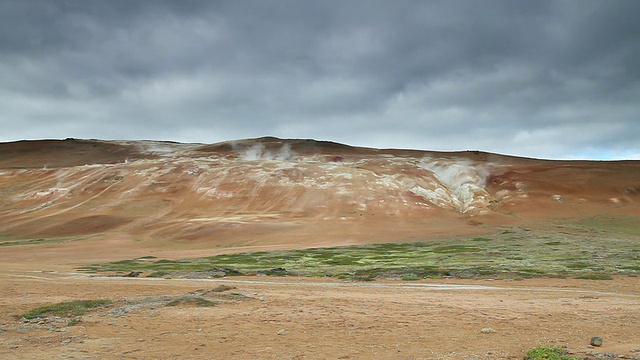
(257, 152)
(253, 153)
(457, 174)
(464, 182)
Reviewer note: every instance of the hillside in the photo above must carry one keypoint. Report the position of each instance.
(465, 255)
(269, 192)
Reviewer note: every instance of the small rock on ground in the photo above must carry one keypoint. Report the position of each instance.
(596, 341)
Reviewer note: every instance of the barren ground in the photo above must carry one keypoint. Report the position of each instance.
(322, 319)
(67, 204)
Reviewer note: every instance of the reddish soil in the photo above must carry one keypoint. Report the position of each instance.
(324, 320)
(94, 201)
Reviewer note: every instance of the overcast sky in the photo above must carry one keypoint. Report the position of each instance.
(550, 79)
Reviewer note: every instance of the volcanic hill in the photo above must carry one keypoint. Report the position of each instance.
(115, 197)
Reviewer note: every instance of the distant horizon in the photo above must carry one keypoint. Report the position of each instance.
(326, 140)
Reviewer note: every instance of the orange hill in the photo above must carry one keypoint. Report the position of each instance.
(271, 192)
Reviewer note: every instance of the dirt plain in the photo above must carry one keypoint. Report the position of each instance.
(68, 203)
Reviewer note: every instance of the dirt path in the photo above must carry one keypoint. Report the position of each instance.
(299, 318)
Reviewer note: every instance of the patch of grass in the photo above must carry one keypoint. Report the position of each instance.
(17, 242)
(531, 271)
(481, 239)
(594, 277)
(276, 272)
(498, 256)
(125, 262)
(363, 278)
(548, 353)
(22, 242)
(455, 249)
(74, 322)
(165, 261)
(410, 278)
(88, 269)
(579, 266)
(158, 274)
(66, 309)
(193, 301)
(610, 224)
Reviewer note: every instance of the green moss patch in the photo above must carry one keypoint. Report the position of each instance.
(514, 254)
(66, 309)
(548, 353)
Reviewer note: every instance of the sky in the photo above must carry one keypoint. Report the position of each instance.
(547, 79)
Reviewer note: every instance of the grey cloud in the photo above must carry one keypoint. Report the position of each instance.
(536, 78)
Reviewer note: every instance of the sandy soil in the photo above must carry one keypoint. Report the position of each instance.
(293, 318)
(88, 201)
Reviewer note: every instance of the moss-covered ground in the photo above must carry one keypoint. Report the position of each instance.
(575, 249)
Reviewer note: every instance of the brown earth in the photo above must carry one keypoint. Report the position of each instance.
(68, 203)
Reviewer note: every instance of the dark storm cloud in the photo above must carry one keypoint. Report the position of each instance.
(536, 78)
